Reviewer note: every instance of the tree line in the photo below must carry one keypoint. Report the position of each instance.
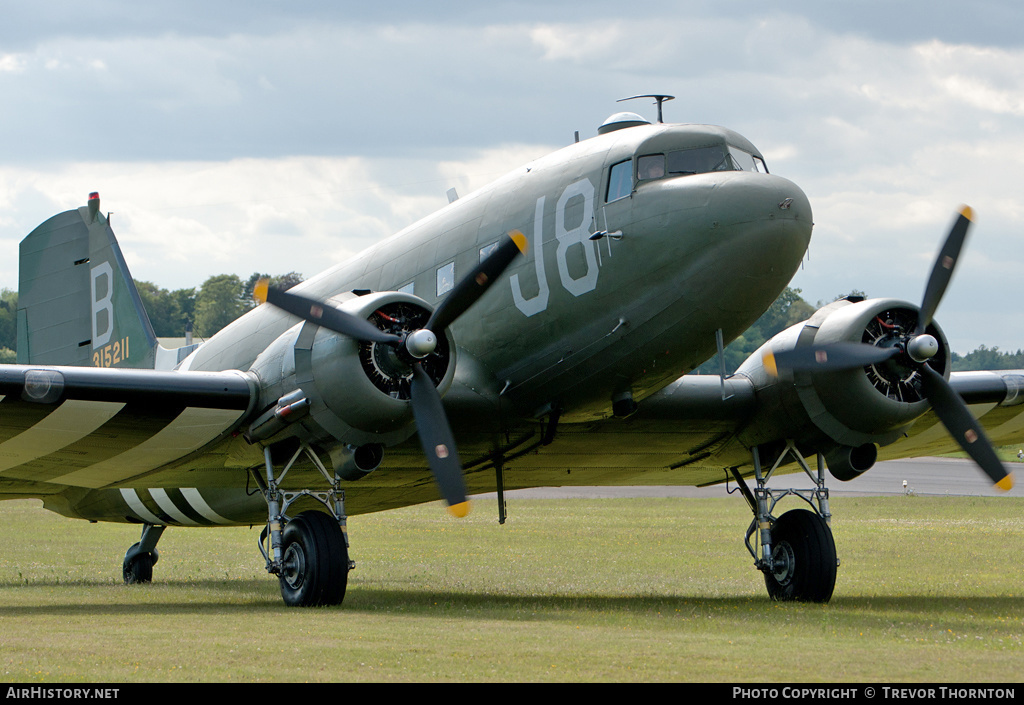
(790, 308)
(224, 297)
(219, 301)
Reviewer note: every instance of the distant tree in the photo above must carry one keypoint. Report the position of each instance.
(281, 281)
(8, 319)
(169, 311)
(789, 308)
(854, 294)
(218, 303)
(983, 358)
(185, 302)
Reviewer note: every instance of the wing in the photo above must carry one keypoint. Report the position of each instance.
(694, 430)
(995, 398)
(101, 427)
(688, 434)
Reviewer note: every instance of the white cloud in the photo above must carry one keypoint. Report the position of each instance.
(488, 165)
(202, 139)
(181, 222)
(12, 63)
(578, 43)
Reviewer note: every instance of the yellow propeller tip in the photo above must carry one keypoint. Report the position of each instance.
(259, 291)
(967, 212)
(769, 364)
(459, 510)
(1006, 484)
(521, 242)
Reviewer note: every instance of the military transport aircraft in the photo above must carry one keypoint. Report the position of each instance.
(533, 333)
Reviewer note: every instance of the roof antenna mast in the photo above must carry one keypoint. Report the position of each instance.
(658, 98)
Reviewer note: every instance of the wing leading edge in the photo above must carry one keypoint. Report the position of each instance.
(95, 427)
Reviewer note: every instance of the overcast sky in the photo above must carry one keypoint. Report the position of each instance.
(233, 137)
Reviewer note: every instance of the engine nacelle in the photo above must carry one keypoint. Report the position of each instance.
(845, 414)
(355, 393)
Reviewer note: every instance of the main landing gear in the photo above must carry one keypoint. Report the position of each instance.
(308, 553)
(797, 553)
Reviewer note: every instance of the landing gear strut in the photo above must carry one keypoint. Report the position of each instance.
(797, 553)
(308, 553)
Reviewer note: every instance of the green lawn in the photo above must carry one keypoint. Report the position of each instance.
(930, 589)
(1008, 454)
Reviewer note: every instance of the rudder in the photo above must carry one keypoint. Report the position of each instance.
(77, 303)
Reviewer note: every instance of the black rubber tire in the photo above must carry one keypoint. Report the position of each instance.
(138, 569)
(314, 569)
(808, 572)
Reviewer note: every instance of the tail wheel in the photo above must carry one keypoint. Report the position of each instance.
(138, 565)
(139, 569)
(803, 558)
(314, 569)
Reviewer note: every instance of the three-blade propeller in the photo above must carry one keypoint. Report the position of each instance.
(428, 412)
(917, 348)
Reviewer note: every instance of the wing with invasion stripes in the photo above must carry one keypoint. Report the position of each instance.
(92, 427)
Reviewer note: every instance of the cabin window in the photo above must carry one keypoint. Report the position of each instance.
(650, 166)
(487, 250)
(408, 288)
(445, 278)
(620, 180)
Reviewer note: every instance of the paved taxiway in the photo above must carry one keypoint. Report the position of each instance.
(924, 476)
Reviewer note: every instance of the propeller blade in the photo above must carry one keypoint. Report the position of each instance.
(962, 425)
(474, 284)
(322, 314)
(437, 441)
(834, 356)
(942, 271)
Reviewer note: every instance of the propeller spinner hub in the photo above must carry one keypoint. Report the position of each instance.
(421, 343)
(923, 348)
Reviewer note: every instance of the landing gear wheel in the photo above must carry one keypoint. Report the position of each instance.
(804, 558)
(314, 565)
(138, 566)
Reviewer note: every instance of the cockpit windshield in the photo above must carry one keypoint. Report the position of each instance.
(680, 162)
(699, 160)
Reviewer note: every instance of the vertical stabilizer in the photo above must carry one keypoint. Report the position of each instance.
(77, 303)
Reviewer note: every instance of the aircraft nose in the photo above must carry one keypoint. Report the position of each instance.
(764, 201)
(758, 232)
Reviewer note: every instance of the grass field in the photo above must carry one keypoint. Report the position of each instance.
(930, 589)
(1008, 454)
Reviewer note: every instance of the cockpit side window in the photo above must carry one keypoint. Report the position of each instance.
(620, 181)
(650, 166)
(744, 161)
